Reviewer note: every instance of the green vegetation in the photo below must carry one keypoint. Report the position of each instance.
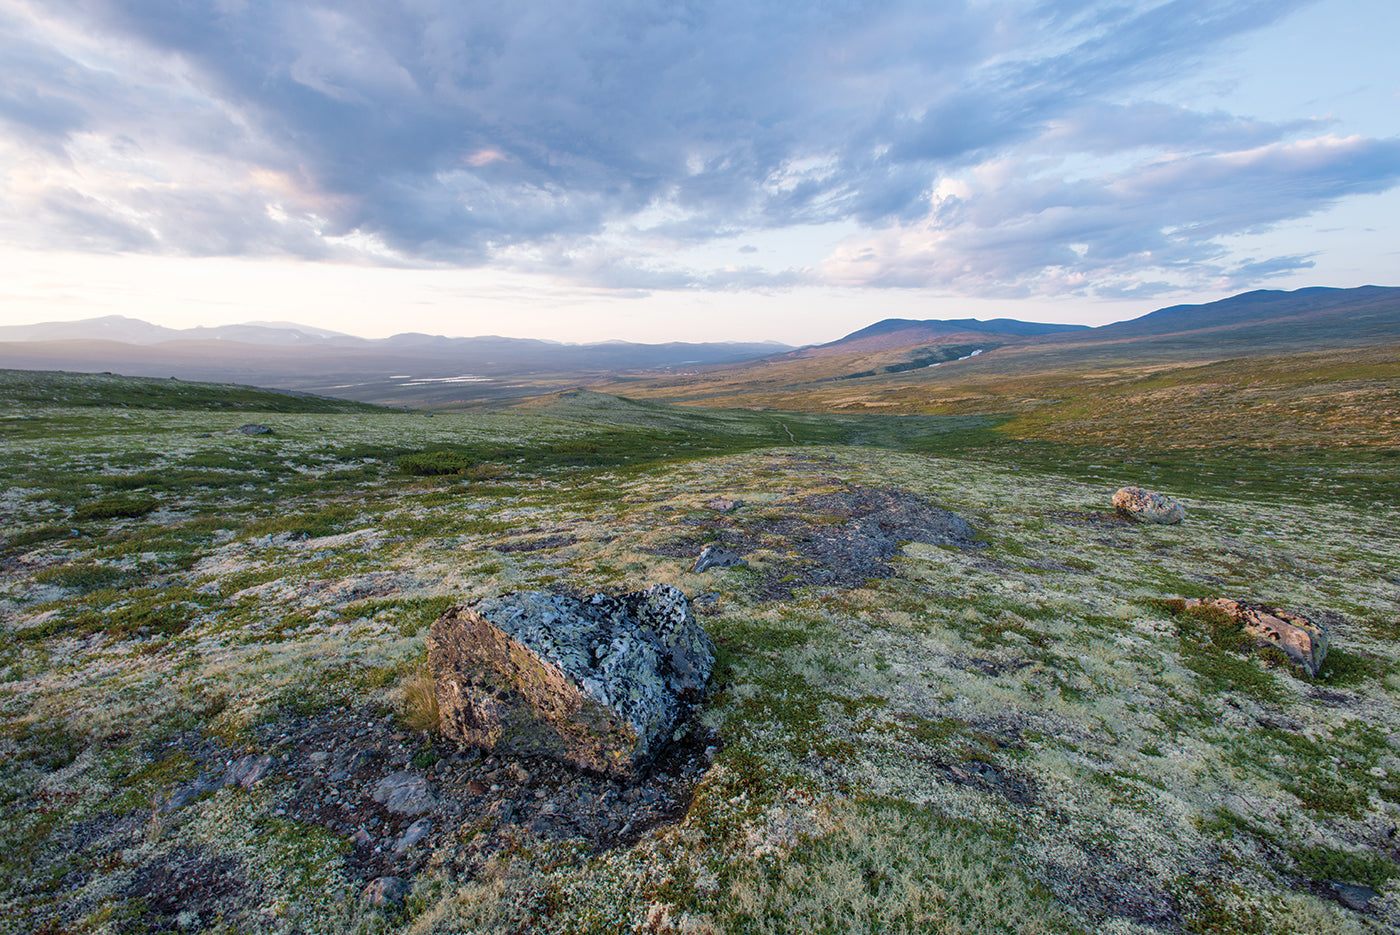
(21, 389)
(1034, 735)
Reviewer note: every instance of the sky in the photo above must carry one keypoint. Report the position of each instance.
(704, 171)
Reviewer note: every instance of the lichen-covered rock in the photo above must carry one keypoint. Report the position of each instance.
(1147, 507)
(600, 682)
(1304, 640)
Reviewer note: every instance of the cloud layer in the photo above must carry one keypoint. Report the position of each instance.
(1002, 147)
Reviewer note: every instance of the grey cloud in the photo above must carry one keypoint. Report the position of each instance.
(467, 133)
(1101, 236)
(1253, 271)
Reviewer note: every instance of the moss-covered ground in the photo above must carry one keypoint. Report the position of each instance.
(1022, 737)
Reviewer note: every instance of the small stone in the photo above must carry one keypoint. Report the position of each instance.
(248, 771)
(716, 556)
(415, 833)
(182, 796)
(476, 787)
(362, 838)
(385, 891)
(253, 428)
(405, 793)
(1144, 506)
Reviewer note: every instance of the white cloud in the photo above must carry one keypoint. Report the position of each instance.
(996, 147)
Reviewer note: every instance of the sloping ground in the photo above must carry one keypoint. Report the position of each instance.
(1348, 339)
(47, 388)
(1335, 397)
(1011, 738)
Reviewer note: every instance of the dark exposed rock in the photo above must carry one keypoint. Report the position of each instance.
(1353, 896)
(535, 545)
(188, 880)
(854, 532)
(600, 682)
(1145, 506)
(980, 774)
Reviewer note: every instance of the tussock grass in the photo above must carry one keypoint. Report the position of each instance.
(420, 703)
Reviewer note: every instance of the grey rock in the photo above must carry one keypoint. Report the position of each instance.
(253, 428)
(415, 833)
(600, 682)
(184, 795)
(249, 770)
(385, 891)
(405, 793)
(716, 556)
(1353, 896)
(1144, 506)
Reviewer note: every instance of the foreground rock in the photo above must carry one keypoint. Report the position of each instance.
(601, 682)
(1302, 639)
(1144, 506)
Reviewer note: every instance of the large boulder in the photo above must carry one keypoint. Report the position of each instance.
(1302, 639)
(600, 682)
(1145, 506)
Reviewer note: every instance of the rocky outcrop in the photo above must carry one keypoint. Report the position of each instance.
(1144, 506)
(1302, 639)
(253, 428)
(600, 682)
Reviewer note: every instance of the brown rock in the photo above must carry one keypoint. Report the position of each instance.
(1302, 639)
(1144, 506)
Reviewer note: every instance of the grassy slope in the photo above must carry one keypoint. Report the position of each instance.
(158, 580)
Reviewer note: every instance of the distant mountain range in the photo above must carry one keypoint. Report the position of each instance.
(421, 369)
(401, 368)
(134, 331)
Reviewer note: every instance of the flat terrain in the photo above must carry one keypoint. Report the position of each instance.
(1019, 735)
